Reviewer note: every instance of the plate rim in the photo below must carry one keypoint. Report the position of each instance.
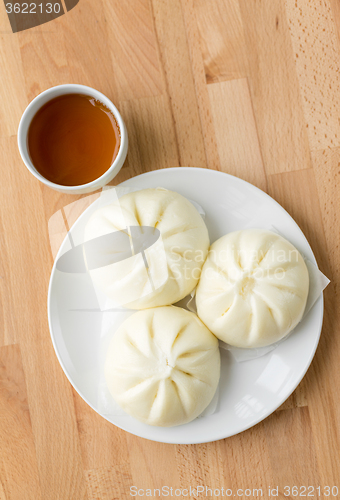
(218, 435)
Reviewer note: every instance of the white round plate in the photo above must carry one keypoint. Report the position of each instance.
(249, 391)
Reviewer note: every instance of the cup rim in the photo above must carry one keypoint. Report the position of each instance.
(71, 88)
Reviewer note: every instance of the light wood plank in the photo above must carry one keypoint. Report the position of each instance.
(12, 81)
(236, 133)
(335, 6)
(198, 70)
(8, 334)
(312, 25)
(18, 461)
(133, 48)
(50, 64)
(94, 431)
(326, 166)
(298, 459)
(110, 483)
(2, 492)
(222, 39)
(49, 393)
(303, 205)
(246, 460)
(200, 465)
(297, 193)
(152, 464)
(87, 44)
(151, 146)
(274, 87)
(175, 58)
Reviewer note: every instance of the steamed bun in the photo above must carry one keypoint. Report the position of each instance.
(253, 288)
(163, 366)
(170, 267)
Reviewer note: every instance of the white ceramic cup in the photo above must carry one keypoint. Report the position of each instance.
(45, 97)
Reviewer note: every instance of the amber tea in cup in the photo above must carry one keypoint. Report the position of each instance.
(73, 139)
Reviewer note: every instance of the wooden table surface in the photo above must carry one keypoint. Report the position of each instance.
(248, 87)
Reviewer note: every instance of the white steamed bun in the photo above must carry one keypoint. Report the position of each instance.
(163, 366)
(253, 288)
(174, 262)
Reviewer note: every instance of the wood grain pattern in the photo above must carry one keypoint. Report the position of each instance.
(237, 139)
(248, 87)
(274, 86)
(152, 147)
(108, 483)
(56, 440)
(180, 87)
(300, 458)
(134, 50)
(198, 70)
(17, 446)
(12, 80)
(311, 24)
(223, 44)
